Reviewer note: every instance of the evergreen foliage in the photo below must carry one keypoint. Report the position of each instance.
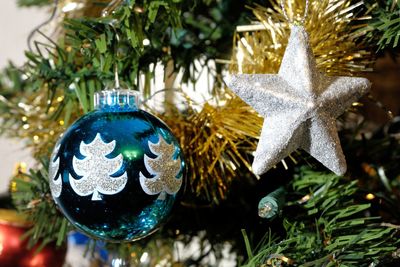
(326, 220)
(385, 23)
(331, 230)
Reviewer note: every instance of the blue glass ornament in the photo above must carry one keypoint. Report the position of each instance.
(115, 173)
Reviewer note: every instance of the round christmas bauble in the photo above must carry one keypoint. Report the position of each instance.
(115, 173)
(14, 251)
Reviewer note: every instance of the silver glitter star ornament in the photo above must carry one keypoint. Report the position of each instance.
(300, 106)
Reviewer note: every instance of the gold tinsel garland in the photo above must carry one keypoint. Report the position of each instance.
(338, 48)
(217, 139)
(40, 121)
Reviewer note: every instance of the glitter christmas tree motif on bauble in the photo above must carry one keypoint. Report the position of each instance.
(116, 172)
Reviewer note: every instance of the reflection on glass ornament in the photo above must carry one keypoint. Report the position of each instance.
(116, 172)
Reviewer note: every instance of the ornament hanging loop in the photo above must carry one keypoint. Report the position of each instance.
(116, 75)
(37, 28)
(291, 21)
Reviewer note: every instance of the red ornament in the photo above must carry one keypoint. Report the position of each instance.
(14, 252)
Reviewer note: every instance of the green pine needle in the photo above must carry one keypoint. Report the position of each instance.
(341, 234)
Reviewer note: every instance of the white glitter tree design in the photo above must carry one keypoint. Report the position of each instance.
(96, 170)
(55, 182)
(164, 168)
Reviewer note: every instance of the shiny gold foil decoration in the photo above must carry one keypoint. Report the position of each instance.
(40, 121)
(259, 47)
(14, 218)
(215, 141)
(87, 8)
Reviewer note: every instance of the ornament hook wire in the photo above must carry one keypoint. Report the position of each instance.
(116, 75)
(110, 7)
(37, 28)
(380, 105)
(291, 21)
